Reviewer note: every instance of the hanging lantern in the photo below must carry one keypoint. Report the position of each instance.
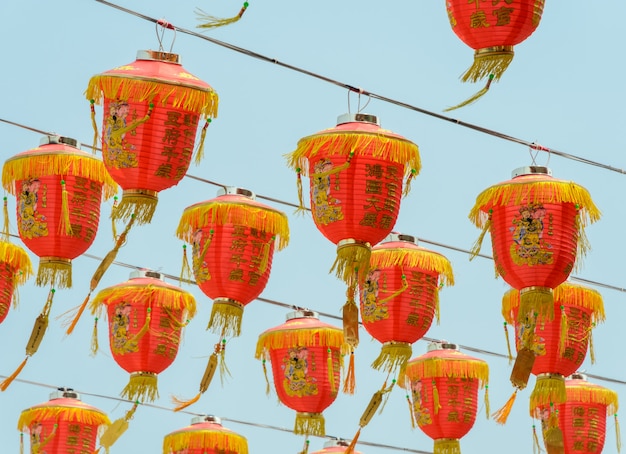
(306, 365)
(64, 424)
(205, 435)
(444, 387)
(492, 29)
(145, 316)
(152, 108)
(537, 233)
(560, 345)
(578, 425)
(335, 446)
(400, 296)
(58, 189)
(357, 172)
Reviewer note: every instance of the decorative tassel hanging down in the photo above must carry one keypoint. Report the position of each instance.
(209, 21)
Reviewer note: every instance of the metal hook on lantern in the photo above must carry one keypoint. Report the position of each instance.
(360, 92)
(537, 148)
(164, 25)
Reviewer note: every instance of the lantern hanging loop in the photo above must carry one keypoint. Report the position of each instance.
(359, 92)
(164, 25)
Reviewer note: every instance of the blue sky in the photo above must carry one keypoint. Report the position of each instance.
(563, 90)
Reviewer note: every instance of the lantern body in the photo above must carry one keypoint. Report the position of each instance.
(152, 107)
(444, 386)
(53, 184)
(6, 290)
(62, 425)
(205, 435)
(306, 366)
(15, 269)
(495, 23)
(145, 318)
(335, 446)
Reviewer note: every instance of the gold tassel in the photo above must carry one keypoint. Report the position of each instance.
(265, 257)
(305, 448)
(79, 313)
(224, 372)
(479, 242)
(564, 334)
(141, 386)
(487, 403)
(94, 337)
(185, 272)
(522, 367)
(7, 381)
(411, 412)
(349, 381)
(5, 224)
(618, 435)
(352, 445)
(301, 209)
(226, 317)
(209, 372)
(407, 185)
(94, 125)
(387, 393)
(502, 414)
(267, 382)
(549, 389)
(475, 97)
(447, 446)
(350, 318)
(214, 22)
(508, 342)
(331, 371)
(393, 355)
(65, 226)
(352, 262)
(113, 218)
(592, 353)
(200, 149)
(117, 429)
(310, 424)
(436, 403)
(536, 445)
(21, 443)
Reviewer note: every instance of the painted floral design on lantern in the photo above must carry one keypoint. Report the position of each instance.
(529, 246)
(325, 210)
(32, 224)
(297, 381)
(374, 309)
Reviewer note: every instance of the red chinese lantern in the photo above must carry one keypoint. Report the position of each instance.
(560, 345)
(578, 425)
(400, 296)
(15, 269)
(205, 435)
(492, 29)
(357, 172)
(64, 424)
(537, 233)
(145, 317)
(335, 446)
(306, 365)
(444, 386)
(59, 189)
(152, 108)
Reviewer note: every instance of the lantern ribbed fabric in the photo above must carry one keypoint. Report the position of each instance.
(205, 437)
(560, 345)
(492, 29)
(15, 269)
(152, 107)
(59, 189)
(233, 239)
(335, 447)
(444, 385)
(400, 297)
(357, 171)
(145, 317)
(306, 365)
(62, 425)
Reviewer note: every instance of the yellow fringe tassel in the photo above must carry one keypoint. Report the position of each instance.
(224, 372)
(226, 318)
(94, 337)
(185, 271)
(310, 424)
(475, 97)
(21, 443)
(7, 381)
(214, 22)
(352, 261)
(17, 258)
(5, 221)
(213, 440)
(536, 300)
(65, 226)
(491, 62)
(94, 125)
(301, 208)
(508, 343)
(140, 206)
(182, 404)
(536, 446)
(209, 372)
(169, 298)
(618, 435)
(331, 371)
(79, 313)
(393, 356)
(487, 403)
(436, 403)
(592, 353)
(141, 386)
(352, 446)
(447, 446)
(411, 412)
(427, 260)
(267, 382)
(412, 173)
(564, 333)
(117, 429)
(549, 389)
(437, 367)
(265, 255)
(349, 381)
(331, 337)
(503, 413)
(398, 292)
(200, 149)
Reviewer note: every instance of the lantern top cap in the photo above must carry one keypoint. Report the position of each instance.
(157, 55)
(67, 393)
(302, 313)
(336, 442)
(358, 117)
(55, 139)
(395, 236)
(136, 274)
(206, 418)
(577, 376)
(442, 345)
(531, 170)
(233, 190)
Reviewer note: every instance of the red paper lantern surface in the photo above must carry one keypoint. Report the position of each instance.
(444, 386)
(306, 365)
(152, 107)
(335, 446)
(492, 28)
(233, 238)
(59, 189)
(15, 269)
(357, 171)
(145, 318)
(578, 425)
(400, 296)
(205, 435)
(64, 424)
